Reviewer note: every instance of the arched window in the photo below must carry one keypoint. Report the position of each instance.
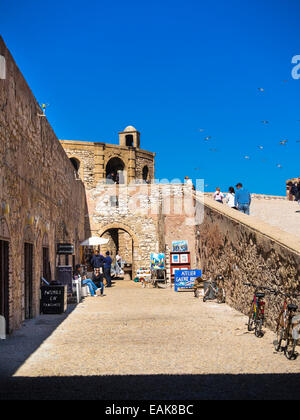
(115, 171)
(145, 174)
(129, 140)
(76, 164)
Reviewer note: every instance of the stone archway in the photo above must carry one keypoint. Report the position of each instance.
(117, 233)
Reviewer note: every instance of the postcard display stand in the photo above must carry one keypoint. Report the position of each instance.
(180, 261)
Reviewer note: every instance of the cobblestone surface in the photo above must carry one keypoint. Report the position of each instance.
(141, 333)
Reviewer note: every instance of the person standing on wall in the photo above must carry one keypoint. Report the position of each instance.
(218, 196)
(230, 198)
(242, 199)
(107, 269)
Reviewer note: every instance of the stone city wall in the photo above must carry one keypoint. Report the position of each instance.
(242, 249)
(41, 202)
(153, 215)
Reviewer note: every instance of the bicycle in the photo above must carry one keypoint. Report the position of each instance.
(288, 328)
(257, 310)
(215, 290)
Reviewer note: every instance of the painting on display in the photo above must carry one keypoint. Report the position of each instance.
(175, 259)
(180, 246)
(158, 261)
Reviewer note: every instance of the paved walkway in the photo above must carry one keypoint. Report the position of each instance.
(144, 344)
(279, 213)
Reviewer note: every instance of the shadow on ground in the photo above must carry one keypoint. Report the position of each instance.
(154, 387)
(19, 346)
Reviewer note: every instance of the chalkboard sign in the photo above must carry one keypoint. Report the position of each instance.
(185, 279)
(53, 299)
(64, 275)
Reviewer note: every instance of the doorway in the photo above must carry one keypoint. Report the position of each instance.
(28, 280)
(4, 282)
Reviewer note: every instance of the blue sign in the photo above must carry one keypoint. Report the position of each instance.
(185, 279)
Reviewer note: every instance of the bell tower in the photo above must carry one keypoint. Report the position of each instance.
(130, 137)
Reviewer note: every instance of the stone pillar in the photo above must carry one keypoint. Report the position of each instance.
(131, 171)
(99, 173)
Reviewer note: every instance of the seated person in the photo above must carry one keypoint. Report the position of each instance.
(88, 282)
(97, 279)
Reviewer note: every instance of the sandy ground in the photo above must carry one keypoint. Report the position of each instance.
(144, 344)
(279, 213)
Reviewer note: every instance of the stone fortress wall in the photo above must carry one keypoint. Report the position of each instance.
(41, 202)
(244, 249)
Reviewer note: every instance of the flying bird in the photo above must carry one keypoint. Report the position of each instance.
(213, 150)
(283, 142)
(201, 130)
(261, 147)
(247, 157)
(207, 138)
(261, 89)
(279, 166)
(265, 122)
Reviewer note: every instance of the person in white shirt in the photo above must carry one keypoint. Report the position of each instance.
(230, 198)
(218, 196)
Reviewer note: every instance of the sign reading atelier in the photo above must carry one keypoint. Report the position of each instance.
(186, 279)
(53, 299)
(65, 249)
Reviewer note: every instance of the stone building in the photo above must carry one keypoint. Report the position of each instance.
(95, 161)
(288, 182)
(41, 202)
(63, 192)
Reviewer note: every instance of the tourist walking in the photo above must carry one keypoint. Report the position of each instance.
(218, 196)
(230, 198)
(98, 280)
(118, 264)
(242, 199)
(107, 269)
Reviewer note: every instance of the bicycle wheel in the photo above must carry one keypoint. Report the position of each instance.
(280, 339)
(290, 351)
(251, 320)
(258, 328)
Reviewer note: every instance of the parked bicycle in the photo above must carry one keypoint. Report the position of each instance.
(215, 290)
(257, 309)
(288, 328)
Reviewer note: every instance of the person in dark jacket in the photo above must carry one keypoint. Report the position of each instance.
(97, 261)
(107, 269)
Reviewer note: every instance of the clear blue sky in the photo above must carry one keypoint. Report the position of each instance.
(170, 68)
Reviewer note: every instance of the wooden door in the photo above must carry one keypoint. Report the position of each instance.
(28, 280)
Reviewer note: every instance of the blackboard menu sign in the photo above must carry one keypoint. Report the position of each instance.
(64, 275)
(53, 299)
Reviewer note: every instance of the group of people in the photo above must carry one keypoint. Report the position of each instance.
(294, 191)
(101, 269)
(239, 199)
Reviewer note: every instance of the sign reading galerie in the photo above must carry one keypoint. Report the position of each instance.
(2, 67)
(185, 279)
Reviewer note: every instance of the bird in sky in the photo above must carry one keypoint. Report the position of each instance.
(261, 147)
(197, 169)
(201, 130)
(213, 150)
(283, 142)
(279, 166)
(247, 157)
(265, 122)
(261, 89)
(297, 141)
(207, 138)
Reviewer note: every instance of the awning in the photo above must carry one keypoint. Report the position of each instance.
(94, 241)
